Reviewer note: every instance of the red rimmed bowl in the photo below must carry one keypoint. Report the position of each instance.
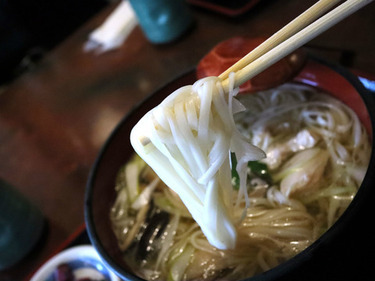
(344, 252)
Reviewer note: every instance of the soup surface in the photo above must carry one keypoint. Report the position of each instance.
(317, 155)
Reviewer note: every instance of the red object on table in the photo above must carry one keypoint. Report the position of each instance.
(228, 52)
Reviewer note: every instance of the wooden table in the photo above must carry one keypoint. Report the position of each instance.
(54, 119)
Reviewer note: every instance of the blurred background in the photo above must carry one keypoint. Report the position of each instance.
(30, 28)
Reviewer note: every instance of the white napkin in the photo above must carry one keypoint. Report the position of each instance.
(115, 29)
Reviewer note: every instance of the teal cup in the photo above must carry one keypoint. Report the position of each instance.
(162, 21)
(21, 225)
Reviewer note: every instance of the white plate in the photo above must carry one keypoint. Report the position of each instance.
(84, 261)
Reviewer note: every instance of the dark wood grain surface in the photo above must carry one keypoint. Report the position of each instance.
(55, 118)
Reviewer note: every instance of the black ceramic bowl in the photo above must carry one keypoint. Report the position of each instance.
(345, 252)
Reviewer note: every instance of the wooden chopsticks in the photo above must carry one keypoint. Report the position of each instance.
(294, 35)
(290, 29)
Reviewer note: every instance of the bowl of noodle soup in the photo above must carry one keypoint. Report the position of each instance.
(310, 199)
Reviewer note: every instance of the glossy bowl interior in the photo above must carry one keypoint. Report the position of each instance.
(344, 252)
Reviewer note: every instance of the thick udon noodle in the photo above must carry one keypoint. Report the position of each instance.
(317, 155)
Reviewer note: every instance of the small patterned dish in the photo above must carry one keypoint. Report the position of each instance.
(76, 263)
